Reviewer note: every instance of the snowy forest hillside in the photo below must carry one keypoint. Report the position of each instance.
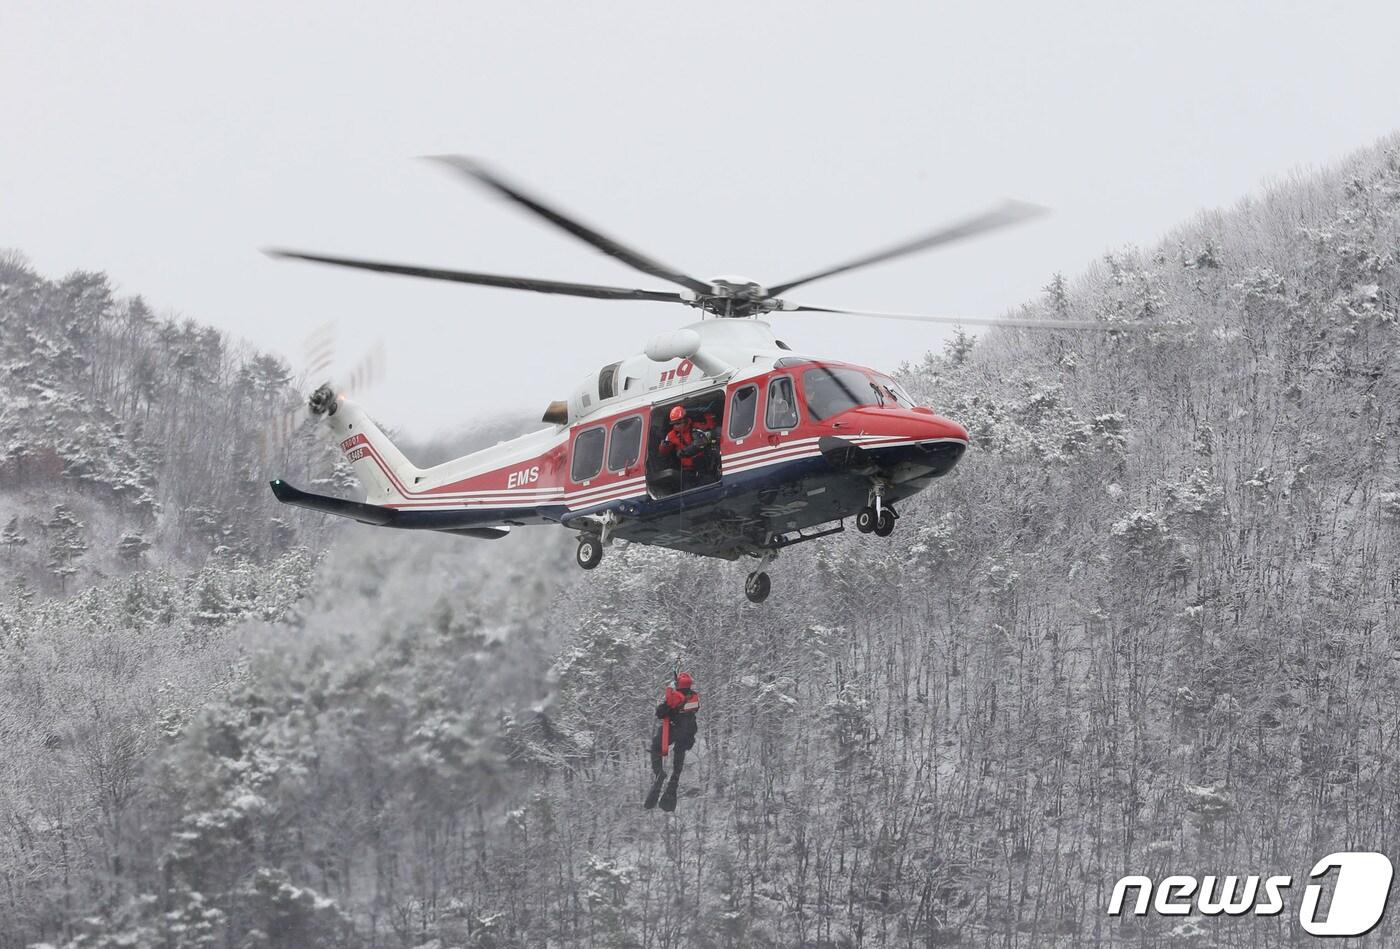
(130, 440)
(1147, 626)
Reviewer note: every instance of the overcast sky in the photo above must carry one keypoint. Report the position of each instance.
(165, 143)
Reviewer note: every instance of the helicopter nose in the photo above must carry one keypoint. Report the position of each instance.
(951, 429)
(940, 444)
(930, 425)
(909, 445)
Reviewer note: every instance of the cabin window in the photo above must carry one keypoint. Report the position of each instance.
(743, 408)
(782, 405)
(588, 454)
(833, 391)
(626, 445)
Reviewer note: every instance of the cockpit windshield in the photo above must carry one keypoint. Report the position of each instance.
(892, 393)
(831, 391)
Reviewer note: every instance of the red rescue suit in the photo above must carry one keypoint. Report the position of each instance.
(688, 442)
(675, 737)
(678, 706)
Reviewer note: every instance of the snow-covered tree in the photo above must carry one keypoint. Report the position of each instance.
(132, 547)
(12, 536)
(67, 541)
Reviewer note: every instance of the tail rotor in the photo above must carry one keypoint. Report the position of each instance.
(318, 355)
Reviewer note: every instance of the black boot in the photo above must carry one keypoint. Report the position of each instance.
(668, 800)
(655, 791)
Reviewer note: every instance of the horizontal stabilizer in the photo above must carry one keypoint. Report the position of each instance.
(364, 513)
(446, 522)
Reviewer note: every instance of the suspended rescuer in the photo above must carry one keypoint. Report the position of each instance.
(674, 736)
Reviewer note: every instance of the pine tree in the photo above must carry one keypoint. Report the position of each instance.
(132, 546)
(66, 543)
(212, 606)
(11, 536)
(958, 348)
(22, 592)
(1058, 292)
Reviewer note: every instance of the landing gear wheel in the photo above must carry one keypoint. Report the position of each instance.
(865, 519)
(757, 587)
(590, 552)
(884, 527)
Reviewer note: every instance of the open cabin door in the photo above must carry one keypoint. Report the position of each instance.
(687, 461)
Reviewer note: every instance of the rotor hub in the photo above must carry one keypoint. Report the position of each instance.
(738, 286)
(736, 297)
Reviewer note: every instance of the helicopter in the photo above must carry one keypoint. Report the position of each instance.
(790, 446)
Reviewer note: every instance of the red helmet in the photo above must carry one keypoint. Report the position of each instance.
(683, 680)
(677, 413)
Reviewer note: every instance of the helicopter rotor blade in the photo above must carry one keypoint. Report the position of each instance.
(1004, 215)
(535, 284)
(478, 172)
(967, 320)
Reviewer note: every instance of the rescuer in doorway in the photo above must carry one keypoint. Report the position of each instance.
(686, 440)
(675, 735)
(689, 441)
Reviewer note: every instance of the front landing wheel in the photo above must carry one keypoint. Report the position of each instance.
(757, 587)
(884, 527)
(590, 552)
(865, 520)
